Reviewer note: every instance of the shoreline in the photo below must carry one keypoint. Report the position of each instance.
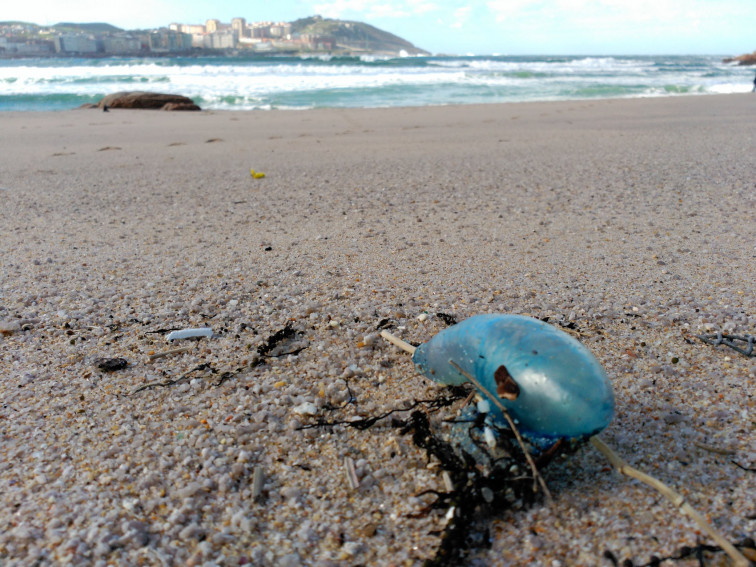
(627, 219)
(400, 108)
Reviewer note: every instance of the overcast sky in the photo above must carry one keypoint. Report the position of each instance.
(718, 27)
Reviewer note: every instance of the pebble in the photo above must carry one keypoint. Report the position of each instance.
(306, 408)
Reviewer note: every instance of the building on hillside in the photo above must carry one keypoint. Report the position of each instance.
(188, 28)
(166, 40)
(239, 27)
(280, 30)
(220, 40)
(76, 43)
(121, 44)
(25, 47)
(260, 30)
(316, 42)
(212, 26)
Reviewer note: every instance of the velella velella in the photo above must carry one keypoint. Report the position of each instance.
(549, 383)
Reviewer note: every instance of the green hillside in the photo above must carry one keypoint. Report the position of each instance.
(94, 27)
(354, 36)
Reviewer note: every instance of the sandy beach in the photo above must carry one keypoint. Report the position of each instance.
(629, 222)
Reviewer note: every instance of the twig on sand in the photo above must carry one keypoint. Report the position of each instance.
(675, 497)
(717, 450)
(351, 473)
(398, 342)
(167, 383)
(171, 352)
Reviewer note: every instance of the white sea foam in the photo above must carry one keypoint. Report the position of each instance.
(305, 82)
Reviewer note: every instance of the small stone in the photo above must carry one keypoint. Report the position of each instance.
(370, 340)
(368, 530)
(9, 327)
(306, 408)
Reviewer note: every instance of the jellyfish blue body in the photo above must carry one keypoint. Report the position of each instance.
(550, 384)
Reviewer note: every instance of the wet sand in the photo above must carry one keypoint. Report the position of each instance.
(629, 221)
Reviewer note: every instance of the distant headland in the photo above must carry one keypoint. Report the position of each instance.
(313, 35)
(746, 59)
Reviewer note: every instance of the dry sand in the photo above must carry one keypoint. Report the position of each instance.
(634, 220)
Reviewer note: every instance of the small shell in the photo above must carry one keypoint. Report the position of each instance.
(190, 333)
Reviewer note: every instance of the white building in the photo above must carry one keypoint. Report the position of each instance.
(75, 43)
(220, 40)
(121, 44)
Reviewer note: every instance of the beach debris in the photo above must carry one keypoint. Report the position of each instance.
(550, 384)
(256, 174)
(258, 480)
(171, 352)
(351, 473)
(171, 382)
(732, 341)
(111, 364)
(473, 493)
(283, 342)
(673, 496)
(446, 318)
(542, 383)
(189, 334)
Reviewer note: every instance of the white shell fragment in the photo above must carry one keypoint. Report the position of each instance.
(189, 333)
(306, 408)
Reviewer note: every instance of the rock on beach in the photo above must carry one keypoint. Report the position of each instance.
(148, 100)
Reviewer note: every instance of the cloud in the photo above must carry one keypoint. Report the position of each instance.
(505, 9)
(460, 17)
(586, 13)
(358, 9)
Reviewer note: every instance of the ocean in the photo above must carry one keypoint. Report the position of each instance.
(278, 82)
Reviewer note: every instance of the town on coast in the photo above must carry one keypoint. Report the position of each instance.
(238, 37)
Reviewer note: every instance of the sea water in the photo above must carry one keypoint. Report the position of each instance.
(278, 82)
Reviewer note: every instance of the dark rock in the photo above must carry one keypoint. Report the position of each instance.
(747, 59)
(87, 105)
(181, 106)
(140, 99)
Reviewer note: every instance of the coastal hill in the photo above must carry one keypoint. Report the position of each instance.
(354, 36)
(307, 35)
(94, 27)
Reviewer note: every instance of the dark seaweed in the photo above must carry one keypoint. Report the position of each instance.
(684, 553)
(476, 495)
(111, 364)
(279, 338)
(446, 318)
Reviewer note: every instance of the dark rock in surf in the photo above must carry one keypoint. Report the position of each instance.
(148, 100)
